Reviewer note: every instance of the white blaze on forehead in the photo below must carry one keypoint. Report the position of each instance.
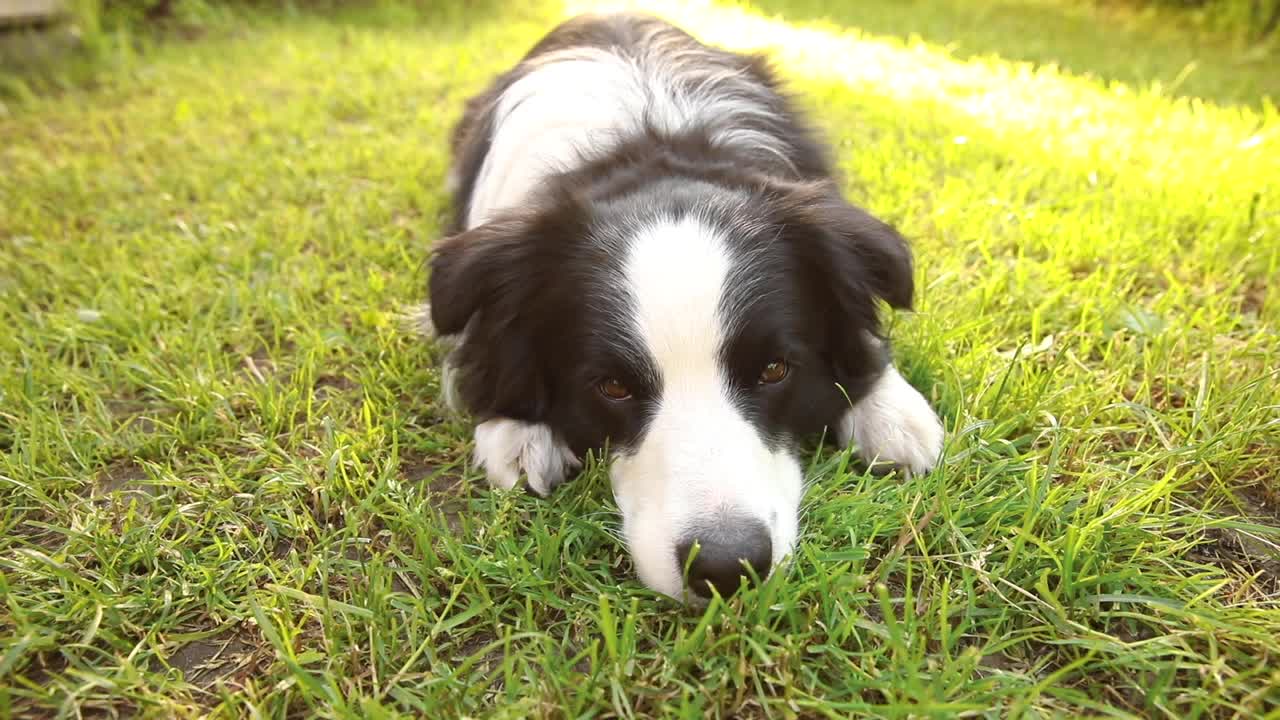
(675, 272)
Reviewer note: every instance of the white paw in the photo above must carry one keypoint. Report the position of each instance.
(894, 424)
(508, 448)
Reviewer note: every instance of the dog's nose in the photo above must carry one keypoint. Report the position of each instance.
(722, 550)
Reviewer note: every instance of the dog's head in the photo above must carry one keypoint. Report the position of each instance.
(701, 330)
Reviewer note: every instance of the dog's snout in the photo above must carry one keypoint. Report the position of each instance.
(723, 548)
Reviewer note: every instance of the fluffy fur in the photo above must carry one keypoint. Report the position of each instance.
(637, 210)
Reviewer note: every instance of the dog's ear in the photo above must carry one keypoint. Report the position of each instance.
(489, 288)
(480, 292)
(860, 256)
(466, 269)
(849, 260)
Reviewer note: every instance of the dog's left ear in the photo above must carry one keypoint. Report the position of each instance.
(849, 260)
(856, 256)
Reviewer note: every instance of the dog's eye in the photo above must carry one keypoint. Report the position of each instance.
(613, 389)
(774, 372)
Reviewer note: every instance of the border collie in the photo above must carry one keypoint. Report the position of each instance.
(650, 252)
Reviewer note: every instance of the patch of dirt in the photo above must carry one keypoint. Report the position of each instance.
(1128, 630)
(123, 480)
(45, 672)
(401, 585)
(44, 667)
(1082, 268)
(442, 474)
(1121, 441)
(442, 481)
(1163, 397)
(119, 487)
(1259, 489)
(134, 414)
(232, 656)
(1240, 553)
(31, 534)
(1253, 298)
(302, 543)
(260, 362)
(1000, 663)
(260, 366)
(473, 645)
(327, 386)
(1252, 558)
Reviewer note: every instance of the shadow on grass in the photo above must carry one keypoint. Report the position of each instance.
(1135, 51)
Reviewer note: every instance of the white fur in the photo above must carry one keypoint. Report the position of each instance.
(699, 457)
(894, 424)
(449, 387)
(507, 449)
(579, 102)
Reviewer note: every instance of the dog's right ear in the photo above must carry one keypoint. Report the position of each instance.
(502, 261)
(480, 284)
(490, 285)
(468, 269)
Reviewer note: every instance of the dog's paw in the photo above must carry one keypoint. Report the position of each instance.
(506, 449)
(894, 424)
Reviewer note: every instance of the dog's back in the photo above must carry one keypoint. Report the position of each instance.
(597, 81)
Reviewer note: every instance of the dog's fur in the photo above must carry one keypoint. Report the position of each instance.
(634, 206)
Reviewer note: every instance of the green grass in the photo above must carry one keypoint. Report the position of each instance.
(227, 486)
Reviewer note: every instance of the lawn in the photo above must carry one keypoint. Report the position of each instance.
(228, 485)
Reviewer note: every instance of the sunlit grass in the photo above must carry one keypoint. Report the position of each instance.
(1043, 111)
(227, 485)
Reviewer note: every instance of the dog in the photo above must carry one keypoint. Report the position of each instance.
(650, 252)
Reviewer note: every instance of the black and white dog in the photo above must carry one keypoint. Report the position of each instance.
(650, 252)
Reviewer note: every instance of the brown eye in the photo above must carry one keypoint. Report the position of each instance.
(774, 372)
(614, 390)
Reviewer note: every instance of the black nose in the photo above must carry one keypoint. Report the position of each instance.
(722, 550)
